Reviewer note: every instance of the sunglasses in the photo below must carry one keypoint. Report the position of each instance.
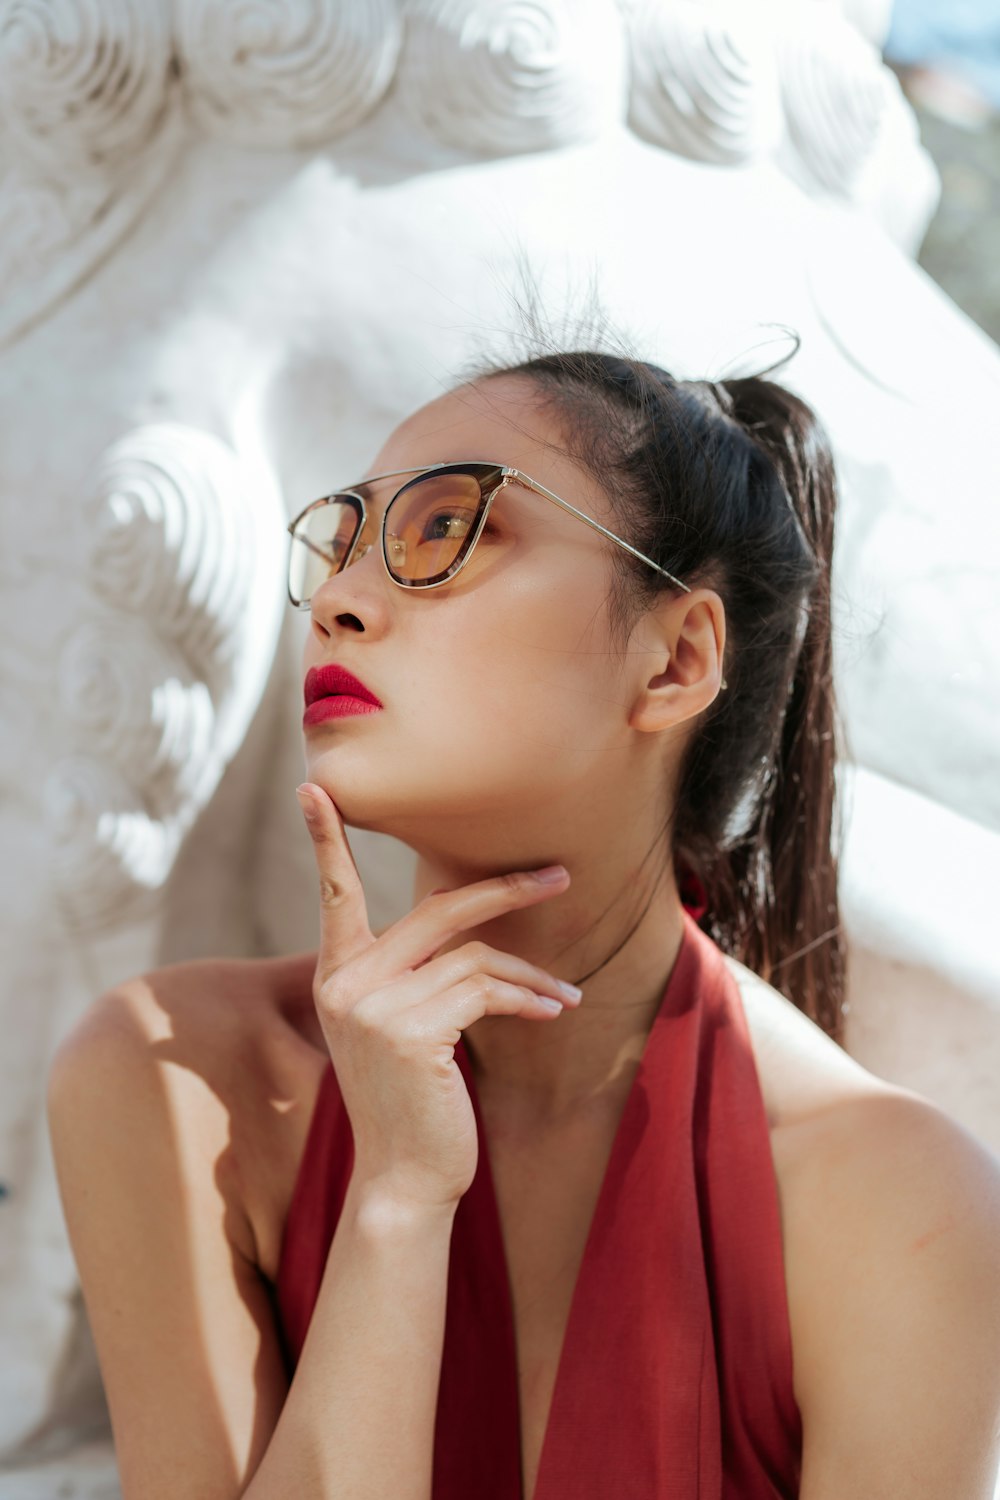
(429, 528)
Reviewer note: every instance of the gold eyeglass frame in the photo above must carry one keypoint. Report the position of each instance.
(508, 475)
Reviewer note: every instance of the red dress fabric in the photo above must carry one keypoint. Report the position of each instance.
(675, 1376)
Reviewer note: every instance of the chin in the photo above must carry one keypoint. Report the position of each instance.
(359, 805)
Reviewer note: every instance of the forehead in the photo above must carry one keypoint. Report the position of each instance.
(503, 420)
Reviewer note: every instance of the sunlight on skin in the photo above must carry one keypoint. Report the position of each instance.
(512, 736)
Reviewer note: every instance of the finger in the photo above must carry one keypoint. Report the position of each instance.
(436, 919)
(344, 928)
(472, 961)
(466, 1002)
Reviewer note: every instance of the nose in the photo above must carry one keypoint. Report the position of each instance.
(353, 599)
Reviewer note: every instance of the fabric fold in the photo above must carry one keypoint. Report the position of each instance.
(675, 1374)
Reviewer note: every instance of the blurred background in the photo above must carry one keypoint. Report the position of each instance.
(946, 54)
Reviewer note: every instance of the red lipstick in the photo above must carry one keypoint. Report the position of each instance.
(332, 692)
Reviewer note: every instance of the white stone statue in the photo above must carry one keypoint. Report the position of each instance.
(239, 243)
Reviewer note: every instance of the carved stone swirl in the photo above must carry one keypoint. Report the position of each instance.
(286, 72)
(177, 541)
(704, 81)
(167, 541)
(52, 233)
(514, 75)
(37, 218)
(109, 857)
(835, 90)
(131, 700)
(83, 85)
(86, 88)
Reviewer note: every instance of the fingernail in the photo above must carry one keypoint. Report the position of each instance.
(307, 802)
(551, 875)
(570, 990)
(551, 1004)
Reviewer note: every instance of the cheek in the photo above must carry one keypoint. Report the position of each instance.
(536, 671)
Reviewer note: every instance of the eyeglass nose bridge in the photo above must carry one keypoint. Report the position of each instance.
(361, 547)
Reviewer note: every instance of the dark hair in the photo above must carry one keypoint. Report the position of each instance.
(730, 485)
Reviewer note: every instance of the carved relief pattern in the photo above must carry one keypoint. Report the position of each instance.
(704, 82)
(38, 218)
(167, 539)
(89, 95)
(167, 542)
(83, 85)
(85, 99)
(513, 75)
(109, 857)
(286, 72)
(835, 92)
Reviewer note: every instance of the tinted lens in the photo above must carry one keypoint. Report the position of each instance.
(430, 525)
(319, 546)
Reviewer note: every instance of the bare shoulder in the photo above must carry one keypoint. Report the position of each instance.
(219, 1019)
(837, 1126)
(236, 1044)
(891, 1226)
(150, 1102)
(802, 1071)
(894, 1212)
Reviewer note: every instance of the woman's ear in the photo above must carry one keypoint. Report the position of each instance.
(685, 639)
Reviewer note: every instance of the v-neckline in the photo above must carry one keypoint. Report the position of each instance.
(600, 1216)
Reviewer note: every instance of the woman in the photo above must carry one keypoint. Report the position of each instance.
(570, 641)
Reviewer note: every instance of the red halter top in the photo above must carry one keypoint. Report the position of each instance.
(675, 1376)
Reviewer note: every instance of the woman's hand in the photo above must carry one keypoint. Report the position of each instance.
(392, 1013)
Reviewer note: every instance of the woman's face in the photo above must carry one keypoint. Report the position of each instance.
(505, 725)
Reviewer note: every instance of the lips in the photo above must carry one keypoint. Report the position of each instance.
(335, 681)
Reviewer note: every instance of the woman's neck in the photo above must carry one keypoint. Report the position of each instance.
(548, 1069)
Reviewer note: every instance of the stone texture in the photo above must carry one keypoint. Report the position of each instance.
(222, 315)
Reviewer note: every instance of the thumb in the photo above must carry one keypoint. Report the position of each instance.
(344, 930)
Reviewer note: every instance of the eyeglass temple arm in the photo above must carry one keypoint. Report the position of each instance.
(532, 484)
(529, 483)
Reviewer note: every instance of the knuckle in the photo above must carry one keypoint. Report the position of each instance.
(333, 993)
(475, 951)
(322, 837)
(366, 1016)
(489, 984)
(513, 882)
(331, 892)
(484, 986)
(393, 1031)
(365, 1029)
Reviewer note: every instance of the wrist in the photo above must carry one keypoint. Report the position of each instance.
(381, 1212)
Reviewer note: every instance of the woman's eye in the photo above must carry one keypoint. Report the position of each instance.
(446, 524)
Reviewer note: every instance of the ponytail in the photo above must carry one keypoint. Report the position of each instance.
(731, 486)
(773, 897)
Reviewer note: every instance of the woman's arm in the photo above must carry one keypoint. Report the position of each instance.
(898, 1362)
(359, 1419)
(182, 1320)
